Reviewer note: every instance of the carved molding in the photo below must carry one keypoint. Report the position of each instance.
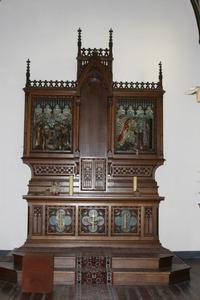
(100, 52)
(137, 85)
(53, 170)
(52, 84)
(120, 171)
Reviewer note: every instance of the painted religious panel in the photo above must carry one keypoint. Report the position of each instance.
(134, 126)
(60, 220)
(93, 220)
(51, 127)
(126, 220)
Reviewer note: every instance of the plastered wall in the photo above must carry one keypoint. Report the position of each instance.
(145, 32)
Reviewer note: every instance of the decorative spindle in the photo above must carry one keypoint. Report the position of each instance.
(160, 74)
(79, 39)
(28, 72)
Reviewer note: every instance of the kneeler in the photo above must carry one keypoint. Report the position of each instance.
(37, 273)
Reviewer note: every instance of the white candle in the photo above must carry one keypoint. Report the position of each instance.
(134, 183)
(71, 178)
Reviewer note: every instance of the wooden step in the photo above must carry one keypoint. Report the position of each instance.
(148, 262)
(61, 276)
(121, 276)
(120, 259)
(7, 271)
(63, 262)
(150, 277)
(179, 271)
(112, 266)
(139, 277)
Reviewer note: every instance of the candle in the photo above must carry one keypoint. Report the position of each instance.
(71, 178)
(134, 183)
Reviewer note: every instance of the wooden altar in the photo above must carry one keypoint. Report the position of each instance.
(93, 146)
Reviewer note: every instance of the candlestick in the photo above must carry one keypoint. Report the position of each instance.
(71, 191)
(134, 184)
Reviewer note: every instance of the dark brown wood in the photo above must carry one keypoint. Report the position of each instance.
(182, 291)
(120, 265)
(93, 119)
(103, 134)
(37, 273)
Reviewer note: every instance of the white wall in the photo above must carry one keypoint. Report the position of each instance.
(145, 32)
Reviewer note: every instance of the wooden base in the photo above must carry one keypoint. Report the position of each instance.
(117, 266)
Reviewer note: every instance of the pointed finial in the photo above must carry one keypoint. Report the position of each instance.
(160, 73)
(28, 72)
(79, 38)
(110, 38)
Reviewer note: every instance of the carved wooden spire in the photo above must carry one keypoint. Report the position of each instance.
(160, 74)
(79, 40)
(110, 39)
(28, 72)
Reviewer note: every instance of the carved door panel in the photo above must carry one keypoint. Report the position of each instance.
(93, 174)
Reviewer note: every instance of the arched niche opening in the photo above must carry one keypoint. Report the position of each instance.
(93, 117)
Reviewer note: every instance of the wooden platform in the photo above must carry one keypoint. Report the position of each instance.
(188, 290)
(112, 266)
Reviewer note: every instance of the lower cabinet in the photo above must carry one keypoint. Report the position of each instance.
(110, 221)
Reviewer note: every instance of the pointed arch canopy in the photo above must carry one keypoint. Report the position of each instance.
(95, 71)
